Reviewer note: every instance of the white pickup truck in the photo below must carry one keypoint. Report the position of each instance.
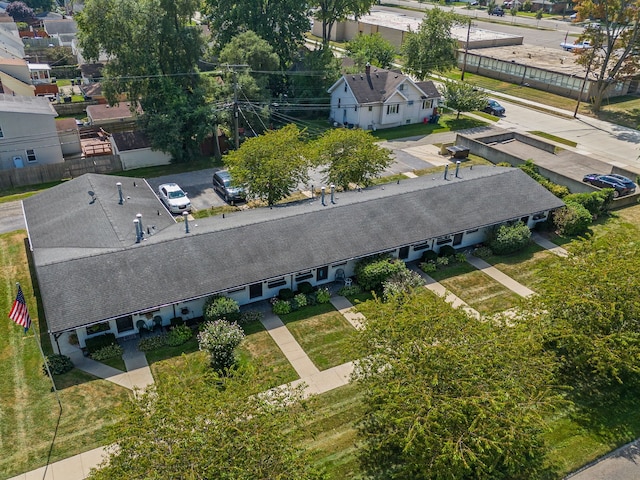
(574, 47)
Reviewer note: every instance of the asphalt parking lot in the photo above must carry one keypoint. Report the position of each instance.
(196, 184)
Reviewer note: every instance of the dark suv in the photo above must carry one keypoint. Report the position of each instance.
(223, 184)
(621, 185)
(497, 11)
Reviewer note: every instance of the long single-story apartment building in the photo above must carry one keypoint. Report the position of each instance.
(95, 274)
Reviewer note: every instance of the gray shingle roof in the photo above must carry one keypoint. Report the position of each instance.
(94, 273)
(131, 140)
(378, 85)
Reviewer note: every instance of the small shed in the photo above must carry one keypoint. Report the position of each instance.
(69, 136)
(134, 150)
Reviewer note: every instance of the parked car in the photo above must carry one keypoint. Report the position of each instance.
(174, 198)
(496, 11)
(223, 184)
(621, 185)
(494, 108)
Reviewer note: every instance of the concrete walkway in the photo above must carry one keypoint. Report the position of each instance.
(137, 376)
(499, 277)
(72, 468)
(449, 297)
(345, 307)
(552, 247)
(286, 342)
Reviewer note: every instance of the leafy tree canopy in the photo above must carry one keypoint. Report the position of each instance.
(614, 56)
(350, 156)
(593, 316)
(271, 165)
(321, 70)
(282, 24)
(447, 396)
(462, 97)
(432, 48)
(195, 424)
(19, 11)
(373, 49)
(331, 11)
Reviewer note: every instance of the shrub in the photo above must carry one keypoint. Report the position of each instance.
(249, 316)
(305, 287)
(218, 307)
(220, 339)
(178, 335)
(429, 256)
(509, 238)
(96, 343)
(401, 282)
(503, 164)
(285, 294)
(110, 351)
(300, 300)
(596, 203)
(428, 267)
(350, 291)
(483, 252)
(372, 271)
(460, 257)
(58, 364)
(446, 251)
(530, 169)
(152, 343)
(323, 295)
(176, 321)
(442, 262)
(281, 307)
(573, 219)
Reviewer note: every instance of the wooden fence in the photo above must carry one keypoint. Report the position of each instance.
(36, 174)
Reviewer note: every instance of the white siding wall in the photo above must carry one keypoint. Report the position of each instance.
(144, 157)
(25, 131)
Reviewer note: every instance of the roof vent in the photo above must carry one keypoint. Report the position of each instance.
(361, 77)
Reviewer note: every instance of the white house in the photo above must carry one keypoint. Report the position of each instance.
(381, 99)
(96, 275)
(28, 134)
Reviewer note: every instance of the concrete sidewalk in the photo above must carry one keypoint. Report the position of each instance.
(500, 277)
(72, 468)
(550, 246)
(345, 307)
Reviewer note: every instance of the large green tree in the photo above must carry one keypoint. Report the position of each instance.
(331, 11)
(373, 49)
(462, 97)
(350, 156)
(614, 57)
(450, 397)
(432, 48)
(590, 305)
(195, 424)
(153, 49)
(271, 165)
(282, 23)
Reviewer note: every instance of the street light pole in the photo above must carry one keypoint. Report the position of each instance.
(466, 49)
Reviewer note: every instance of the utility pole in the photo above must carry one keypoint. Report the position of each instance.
(236, 135)
(466, 49)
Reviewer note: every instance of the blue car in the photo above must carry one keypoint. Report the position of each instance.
(621, 185)
(494, 108)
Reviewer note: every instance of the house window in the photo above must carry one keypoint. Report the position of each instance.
(444, 240)
(322, 273)
(345, 87)
(401, 87)
(255, 290)
(124, 324)
(98, 327)
(410, 102)
(370, 108)
(1, 134)
(338, 103)
(303, 276)
(393, 109)
(426, 104)
(422, 246)
(356, 108)
(31, 155)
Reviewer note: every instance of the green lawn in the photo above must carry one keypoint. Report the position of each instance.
(115, 362)
(323, 333)
(476, 288)
(447, 123)
(28, 408)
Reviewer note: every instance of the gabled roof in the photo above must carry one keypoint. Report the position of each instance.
(66, 124)
(378, 85)
(60, 26)
(126, 141)
(90, 269)
(111, 112)
(23, 104)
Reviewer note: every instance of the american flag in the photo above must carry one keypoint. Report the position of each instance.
(19, 312)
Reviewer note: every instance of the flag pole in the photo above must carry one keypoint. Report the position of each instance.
(46, 364)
